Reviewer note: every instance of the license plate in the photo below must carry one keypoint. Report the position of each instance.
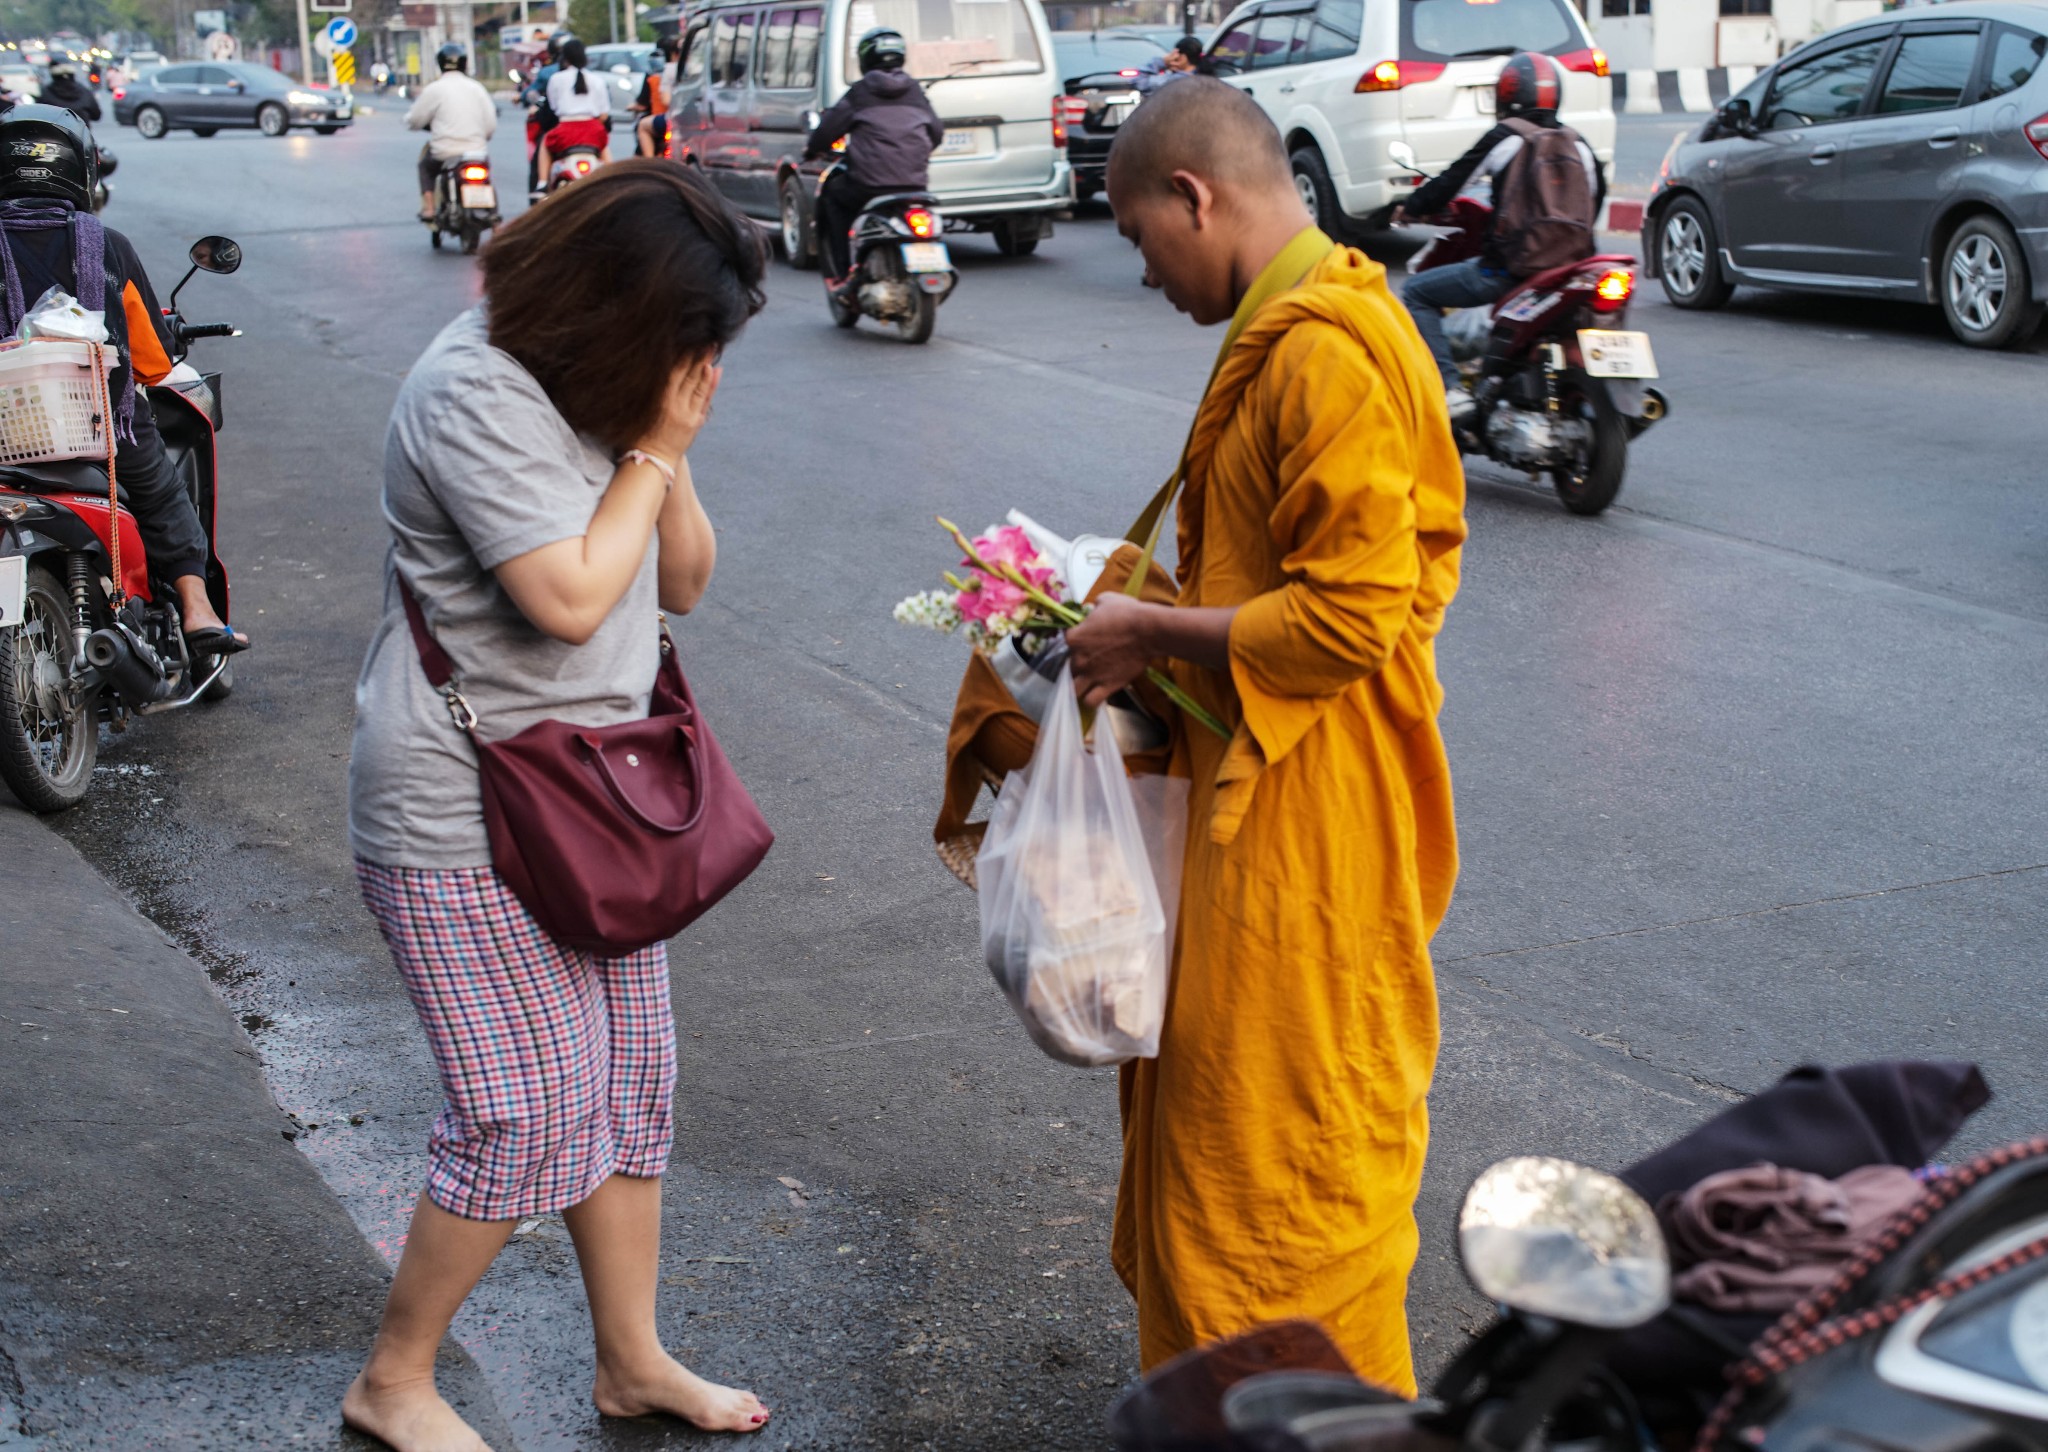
(1117, 112)
(479, 196)
(974, 141)
(1617, 355)
(927, 257)
(343, 113)
(1482, 99)
(13, 590)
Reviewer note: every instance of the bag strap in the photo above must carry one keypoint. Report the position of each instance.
(1287, 269)
(435, 661)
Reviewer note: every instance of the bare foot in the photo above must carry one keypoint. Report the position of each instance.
(669, 1386)
(409, 1416)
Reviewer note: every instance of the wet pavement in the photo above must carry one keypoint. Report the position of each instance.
(1748, 776)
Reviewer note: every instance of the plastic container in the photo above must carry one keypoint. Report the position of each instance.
(50, 401)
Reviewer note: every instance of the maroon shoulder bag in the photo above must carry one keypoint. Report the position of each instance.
(614, 837)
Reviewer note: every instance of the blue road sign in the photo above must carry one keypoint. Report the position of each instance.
(342, 31)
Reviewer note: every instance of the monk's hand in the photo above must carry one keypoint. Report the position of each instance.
(1112, 647)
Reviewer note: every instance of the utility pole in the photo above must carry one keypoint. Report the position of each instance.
(305, 46)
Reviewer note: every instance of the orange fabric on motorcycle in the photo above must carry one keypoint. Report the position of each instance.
(1273, 1150)
(145, 346)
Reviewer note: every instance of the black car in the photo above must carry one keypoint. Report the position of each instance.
(1101, 67)
(204, 97)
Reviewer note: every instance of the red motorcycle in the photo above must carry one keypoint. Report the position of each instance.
(86, 635)
(1559, 386)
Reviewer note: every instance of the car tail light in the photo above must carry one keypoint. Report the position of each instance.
(921, 222)
(2037, 132)
(476, 172)
(1390, 75)
(1592, 62)
(1611, 293)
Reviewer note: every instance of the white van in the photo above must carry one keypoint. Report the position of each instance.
(755, 72)
(1343, 79)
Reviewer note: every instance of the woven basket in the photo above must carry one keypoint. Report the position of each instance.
(958, 852)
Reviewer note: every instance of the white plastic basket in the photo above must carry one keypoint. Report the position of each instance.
(50, 402)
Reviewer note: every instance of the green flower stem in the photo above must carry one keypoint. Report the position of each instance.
(1067, 614)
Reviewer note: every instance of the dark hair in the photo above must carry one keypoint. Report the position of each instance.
(1189, 46)
(642, 251)
(575, 57)
(671, 46)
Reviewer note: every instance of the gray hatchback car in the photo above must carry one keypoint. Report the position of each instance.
(1904, 156)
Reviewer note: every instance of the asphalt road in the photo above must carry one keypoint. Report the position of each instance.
(1748, 776)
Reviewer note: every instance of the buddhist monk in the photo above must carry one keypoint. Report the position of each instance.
(1273, 1149)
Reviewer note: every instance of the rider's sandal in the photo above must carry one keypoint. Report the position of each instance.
(215, 640)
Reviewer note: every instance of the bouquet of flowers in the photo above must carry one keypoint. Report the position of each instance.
(1012, 594)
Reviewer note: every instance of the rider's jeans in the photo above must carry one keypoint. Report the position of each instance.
(1465, 284)
(839, 206)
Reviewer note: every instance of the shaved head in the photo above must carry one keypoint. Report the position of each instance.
(1205, 127)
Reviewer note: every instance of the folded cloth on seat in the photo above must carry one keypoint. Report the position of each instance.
(1763, 1238)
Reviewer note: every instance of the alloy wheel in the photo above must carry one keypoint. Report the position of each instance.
(1305, 186)
(1684, 258)
(1977, 282)
(792, 225)
(49, 737)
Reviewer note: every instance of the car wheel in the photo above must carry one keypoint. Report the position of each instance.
(271, 119)
(1318, 194)
(1689, 257)
(150, 122)
(1086, 191)
(205, 130)
(799, 231)
(1985, 291)
(1012, 241)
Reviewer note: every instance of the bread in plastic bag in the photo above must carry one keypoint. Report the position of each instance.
(1073, 924)
(57, 314)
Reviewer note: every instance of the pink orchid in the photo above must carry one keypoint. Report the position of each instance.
(990, 600)
(1009, 545)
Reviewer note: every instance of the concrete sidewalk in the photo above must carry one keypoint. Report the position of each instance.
(173, 1272)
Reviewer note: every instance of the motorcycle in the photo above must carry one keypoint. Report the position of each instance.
(901, 267)
(1932, 1337)
(1559, 386)
(465, 202)
(572, 165)
(85, 634)
(101, 192)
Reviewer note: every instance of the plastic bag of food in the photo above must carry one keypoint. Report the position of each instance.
(57, 314)
(1072, 922)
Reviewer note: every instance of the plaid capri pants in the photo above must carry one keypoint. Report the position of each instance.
(559, 1067)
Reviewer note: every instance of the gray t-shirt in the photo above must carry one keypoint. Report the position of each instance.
(479, 468)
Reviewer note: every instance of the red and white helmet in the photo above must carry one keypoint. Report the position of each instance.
(1530, 81)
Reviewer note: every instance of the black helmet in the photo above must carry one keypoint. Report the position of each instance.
(881, 49)
(453, 56)
(45, 151)
(1529, 82)
(555, 43)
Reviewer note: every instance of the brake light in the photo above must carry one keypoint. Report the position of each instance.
(1128, 75)
(476, 172)
(1391, 75)
(119, 92)
(2037, 132)
(1611, 292)
(839, 145)
(1592, 62)
(583, 166)
(921, 222)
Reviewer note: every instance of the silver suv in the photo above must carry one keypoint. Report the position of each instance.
(1897, 157)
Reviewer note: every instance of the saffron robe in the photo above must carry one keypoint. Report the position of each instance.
(1273, 1150)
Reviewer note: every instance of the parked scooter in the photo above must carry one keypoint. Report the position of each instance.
(901, 267)
(1560, 387)
(465, 202)
(86, 634)
(1933, 1337)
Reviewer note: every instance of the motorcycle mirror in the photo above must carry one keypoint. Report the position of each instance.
(1558, 1239)
(216, 254)
(512, 75)
(1401, 154)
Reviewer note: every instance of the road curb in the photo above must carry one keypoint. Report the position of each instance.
(173, 1272)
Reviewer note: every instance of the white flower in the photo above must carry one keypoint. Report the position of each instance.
(930, 610)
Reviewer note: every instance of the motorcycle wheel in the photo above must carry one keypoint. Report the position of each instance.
(471, 237)
(222, 686)
(46, 759)
(435, 237)
(924, 314)
(844, 305)
(1590, 485)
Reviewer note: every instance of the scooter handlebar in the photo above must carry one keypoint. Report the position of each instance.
(211, 330)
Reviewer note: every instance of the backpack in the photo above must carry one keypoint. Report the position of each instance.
(1543, 204)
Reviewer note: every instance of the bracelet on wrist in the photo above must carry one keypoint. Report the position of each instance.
(660, 466)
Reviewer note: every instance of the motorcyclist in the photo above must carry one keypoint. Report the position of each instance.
(582, 106)
(51, 240)
(1528, 90)
(891, 132)
(66, 90)
(457, 114)
(651, 131)
(540, 117)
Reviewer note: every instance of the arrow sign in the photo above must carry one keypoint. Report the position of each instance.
(341, 32)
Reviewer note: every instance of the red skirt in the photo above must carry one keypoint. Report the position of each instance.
(591, 133)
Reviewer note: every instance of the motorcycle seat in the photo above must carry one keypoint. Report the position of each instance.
(1536, 282)
(57, 476)
(924, 199)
